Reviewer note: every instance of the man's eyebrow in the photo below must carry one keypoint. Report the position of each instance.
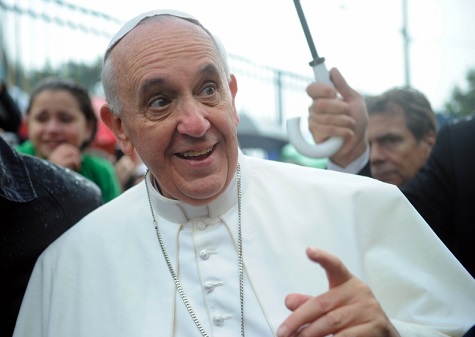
(387, 136)
(210, 69)
(150, 84)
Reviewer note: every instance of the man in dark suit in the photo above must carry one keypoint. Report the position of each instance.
(443, 191)
(38, 202)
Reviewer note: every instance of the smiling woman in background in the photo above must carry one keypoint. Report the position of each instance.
(61, 124)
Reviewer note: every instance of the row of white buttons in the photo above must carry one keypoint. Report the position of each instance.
(209, 286)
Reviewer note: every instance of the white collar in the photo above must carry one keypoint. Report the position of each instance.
(181, 212)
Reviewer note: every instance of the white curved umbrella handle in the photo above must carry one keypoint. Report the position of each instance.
(321, 150)
(332, 145)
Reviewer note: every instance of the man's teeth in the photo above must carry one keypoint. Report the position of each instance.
(196, 153)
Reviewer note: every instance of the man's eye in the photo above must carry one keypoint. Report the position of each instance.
(209, 90)
(393, 139)
(390, 141)
(160, 102)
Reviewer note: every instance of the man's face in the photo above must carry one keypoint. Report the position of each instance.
(396, 155)
(178, 109)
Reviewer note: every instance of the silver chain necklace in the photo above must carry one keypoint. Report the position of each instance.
(172, 271)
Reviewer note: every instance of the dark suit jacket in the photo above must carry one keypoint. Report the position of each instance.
(38, 202)
(470, 333)
(443, 191)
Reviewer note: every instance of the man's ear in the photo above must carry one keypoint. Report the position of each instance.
(429, 141)
(114, 123)
(431, 138)
(233, 87)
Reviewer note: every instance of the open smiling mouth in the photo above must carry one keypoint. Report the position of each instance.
(196, 155)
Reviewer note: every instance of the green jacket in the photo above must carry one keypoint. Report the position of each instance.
(97, 169)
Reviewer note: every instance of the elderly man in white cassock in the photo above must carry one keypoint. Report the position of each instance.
(216, 243)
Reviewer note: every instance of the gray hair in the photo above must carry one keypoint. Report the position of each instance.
(109, 73)
(413, 104)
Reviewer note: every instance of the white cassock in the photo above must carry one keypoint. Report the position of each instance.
(107, 275)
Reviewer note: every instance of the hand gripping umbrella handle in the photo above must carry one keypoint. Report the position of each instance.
(332, 145)
(321, 150)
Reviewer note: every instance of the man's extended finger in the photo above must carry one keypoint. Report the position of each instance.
(294, 301)
(337, 273)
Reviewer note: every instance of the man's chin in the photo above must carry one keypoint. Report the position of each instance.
(205, 195)
(200, 192)
(390, 179)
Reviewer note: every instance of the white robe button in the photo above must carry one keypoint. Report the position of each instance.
(218, 320)
(209, 286)
(204, 254)
(201, 225)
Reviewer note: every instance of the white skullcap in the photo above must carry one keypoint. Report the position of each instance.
(131, 24)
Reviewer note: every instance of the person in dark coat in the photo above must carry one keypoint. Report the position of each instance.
(443, 191)
(38, 202)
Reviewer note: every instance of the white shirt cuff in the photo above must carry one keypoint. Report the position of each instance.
(354, 167)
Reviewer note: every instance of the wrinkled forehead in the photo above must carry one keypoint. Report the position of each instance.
(384, 125)
(131, 24)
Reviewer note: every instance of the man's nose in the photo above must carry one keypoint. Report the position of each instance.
(192, 119)
(377, 153)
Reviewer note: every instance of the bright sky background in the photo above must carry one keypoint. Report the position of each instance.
(360, 37)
